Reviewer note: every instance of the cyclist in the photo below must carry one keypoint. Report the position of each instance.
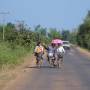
(39, 51)
(51, 53)
(59, 52)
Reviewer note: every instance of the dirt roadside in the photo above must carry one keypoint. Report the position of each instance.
(9, 76)
(83, 51)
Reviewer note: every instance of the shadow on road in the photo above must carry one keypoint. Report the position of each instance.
(35, 67)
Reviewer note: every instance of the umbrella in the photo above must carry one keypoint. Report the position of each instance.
(56, 41)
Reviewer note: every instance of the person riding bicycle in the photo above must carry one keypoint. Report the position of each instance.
(50, 51)
(39, 51)
(59, 52)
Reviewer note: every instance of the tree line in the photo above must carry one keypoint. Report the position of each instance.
(81, 35)
(26, 36)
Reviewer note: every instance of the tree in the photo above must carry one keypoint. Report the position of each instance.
(53, 33)
(41, 33)
(10, 32)
(83, 36)
(1, 32)
(73, 37)
(66, 35)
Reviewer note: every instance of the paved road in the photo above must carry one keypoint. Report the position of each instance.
(74, 75)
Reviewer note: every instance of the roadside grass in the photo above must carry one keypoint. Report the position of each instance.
(11, 60)
(11, 57)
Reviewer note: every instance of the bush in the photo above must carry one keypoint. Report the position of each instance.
(9, 56)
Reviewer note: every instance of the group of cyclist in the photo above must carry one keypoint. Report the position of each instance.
(54, 53)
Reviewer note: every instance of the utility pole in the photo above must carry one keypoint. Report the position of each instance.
(3, 17)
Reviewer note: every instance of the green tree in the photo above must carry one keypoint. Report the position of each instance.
(83, 36)
(53, 33)
(73, 37)
(66, 35)
(1, 32)
(41, 34)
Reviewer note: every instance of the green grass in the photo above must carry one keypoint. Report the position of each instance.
(9, 56)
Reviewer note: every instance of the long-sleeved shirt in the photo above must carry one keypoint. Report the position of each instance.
(51, 49)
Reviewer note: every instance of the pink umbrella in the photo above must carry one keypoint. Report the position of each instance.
(56, 41)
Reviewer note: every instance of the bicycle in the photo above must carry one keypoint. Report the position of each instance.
(39, 60)
(59, 60)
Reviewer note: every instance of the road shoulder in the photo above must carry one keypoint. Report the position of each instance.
(83, 51)
(8, 77)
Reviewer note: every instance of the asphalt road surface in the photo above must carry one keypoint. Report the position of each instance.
(73, 75)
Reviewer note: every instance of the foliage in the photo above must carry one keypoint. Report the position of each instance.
(73, 37)
(54, 33)
(9, 56)
(83, 36)
(66, 35)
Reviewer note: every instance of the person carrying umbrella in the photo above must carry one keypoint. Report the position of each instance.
(59, 51)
